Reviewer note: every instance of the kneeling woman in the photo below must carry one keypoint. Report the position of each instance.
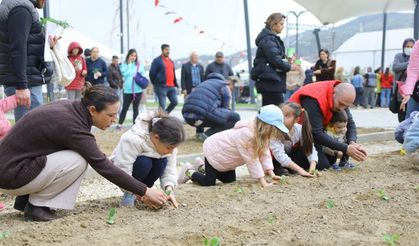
(148, 152)
(44, 157)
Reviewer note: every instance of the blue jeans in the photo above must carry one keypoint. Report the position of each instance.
(50, 92)
(412, 105)
(119, 92)
(288, 94)
(169, 92)
(36, 100)
(385, 97)
(148, 170)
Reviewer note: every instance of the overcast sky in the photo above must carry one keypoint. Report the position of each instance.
(150, 27)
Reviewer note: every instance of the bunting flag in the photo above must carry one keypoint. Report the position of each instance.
(156, 2)
(201, 32)
(179, 19)
(170, 13)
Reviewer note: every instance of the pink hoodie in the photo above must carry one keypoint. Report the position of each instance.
(6, 105)
(229, 149)
(412, 72)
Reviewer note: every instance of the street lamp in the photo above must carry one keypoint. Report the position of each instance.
(297, 16)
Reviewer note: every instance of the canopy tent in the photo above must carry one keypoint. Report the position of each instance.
(333, 11)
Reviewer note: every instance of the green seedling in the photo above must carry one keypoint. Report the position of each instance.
(112, 215)
(271, 219)
(4, 234)
(168, 192)
(215, 241)
(238, 189)
(417, 188)
(383, 195)
(391, 239)
(284, 179)
(330, 203)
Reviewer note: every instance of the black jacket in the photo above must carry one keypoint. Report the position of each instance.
(22, 46)
(270, 67)
(186, 76)
(221, 68)
(114, 77)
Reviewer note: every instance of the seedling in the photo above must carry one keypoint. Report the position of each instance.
(391, 239)
(271, 219)
(284, 179)
(383, 195)
(316, 173)
(330, 203)
(168, 192)
(215, 241)
(112, 215)
(238, 189)
(4, 234)
(417, 188)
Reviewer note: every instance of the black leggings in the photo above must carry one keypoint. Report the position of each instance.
(128, 99)
(297, 155)
(275, 98)
(211, 175)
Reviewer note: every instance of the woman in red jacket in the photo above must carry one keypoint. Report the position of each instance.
(75, 57)
(386, 87)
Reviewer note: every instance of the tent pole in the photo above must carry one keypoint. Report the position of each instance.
(383, 48)
(121, 26)
(249, 51)
(46, 10)
(128, 45)
(416, 21)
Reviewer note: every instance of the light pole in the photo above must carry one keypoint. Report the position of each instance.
(297, 16)
(249, 50)
(121, 26)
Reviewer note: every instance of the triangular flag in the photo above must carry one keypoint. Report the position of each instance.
(201, 32)
(156, 2)
(170, 13)
(177, 20)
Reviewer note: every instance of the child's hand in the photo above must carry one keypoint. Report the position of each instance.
(313, 165)
(339, 154)
(172, 199)
(266, 184)
(273, 175)
(304, 173)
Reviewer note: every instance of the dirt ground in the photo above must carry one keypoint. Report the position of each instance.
(242, 213)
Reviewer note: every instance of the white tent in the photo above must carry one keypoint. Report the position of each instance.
(364, 49)
(332, 11)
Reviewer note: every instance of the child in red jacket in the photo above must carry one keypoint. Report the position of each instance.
(79, 63)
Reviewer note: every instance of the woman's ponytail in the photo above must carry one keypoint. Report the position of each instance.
(307, 136)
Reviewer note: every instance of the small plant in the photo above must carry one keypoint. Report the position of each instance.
(284, 179)
(391, 239)
(111, 217)
(271, 219)
(330, 203)
(4, 234)
(168, 192)
(238, 189)
(316, 173)
(215, 241)
(416, 188)
(383, 195)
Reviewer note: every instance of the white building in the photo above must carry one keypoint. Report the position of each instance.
(364, 49)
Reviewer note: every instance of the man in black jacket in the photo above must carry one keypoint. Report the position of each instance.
(192, 74)
(115, 78)
(219, 66)
(22, 66)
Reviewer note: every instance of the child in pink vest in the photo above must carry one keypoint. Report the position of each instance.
(6, 105)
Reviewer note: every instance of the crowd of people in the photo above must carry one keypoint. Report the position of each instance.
(45, 155)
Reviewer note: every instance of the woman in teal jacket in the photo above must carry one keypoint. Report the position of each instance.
(132, 91)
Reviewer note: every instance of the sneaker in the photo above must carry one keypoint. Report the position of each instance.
(336, 167)
(182, 176)
(2, 206)
(128, 199)
(347, 165)
(199, 165)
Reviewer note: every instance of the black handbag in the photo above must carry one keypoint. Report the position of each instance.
(394, 104)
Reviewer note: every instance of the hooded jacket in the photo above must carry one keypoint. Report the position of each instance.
(22, 46)
(232, 148)
(136, 142)
(411, 139)
(79, 66)
(270, 67)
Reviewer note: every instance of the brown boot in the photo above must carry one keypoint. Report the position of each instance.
(35, 213)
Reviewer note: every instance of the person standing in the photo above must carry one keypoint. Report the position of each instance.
(75, 56)
(357, 81)
(163, 78)
(378, 71)
(400, 63)
(295, 79)
(96, 68)
(386, 87)
(22, 67)
(192, 74)
(270, 66)
(115, 78)
(132, 91)
(370, 82)
(219, 66)
(324, 69)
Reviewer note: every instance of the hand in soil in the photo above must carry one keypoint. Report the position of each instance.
(172, 199)
(306, 174)
(154, 198)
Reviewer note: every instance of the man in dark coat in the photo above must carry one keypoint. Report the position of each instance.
(192, 74)
(209, 106)
(219, 66)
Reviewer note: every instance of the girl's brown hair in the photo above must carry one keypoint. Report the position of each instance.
(263, 134)
(99, 96)
(307, 136)
(273, 19)
(170, 129)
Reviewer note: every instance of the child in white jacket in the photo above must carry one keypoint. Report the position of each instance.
(298, 152)
(148, 152)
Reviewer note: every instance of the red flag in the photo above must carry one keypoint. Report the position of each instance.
(156, 2)
(177, 20)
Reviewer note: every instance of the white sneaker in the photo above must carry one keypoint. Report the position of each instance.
(182, 177)
(198, 164)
